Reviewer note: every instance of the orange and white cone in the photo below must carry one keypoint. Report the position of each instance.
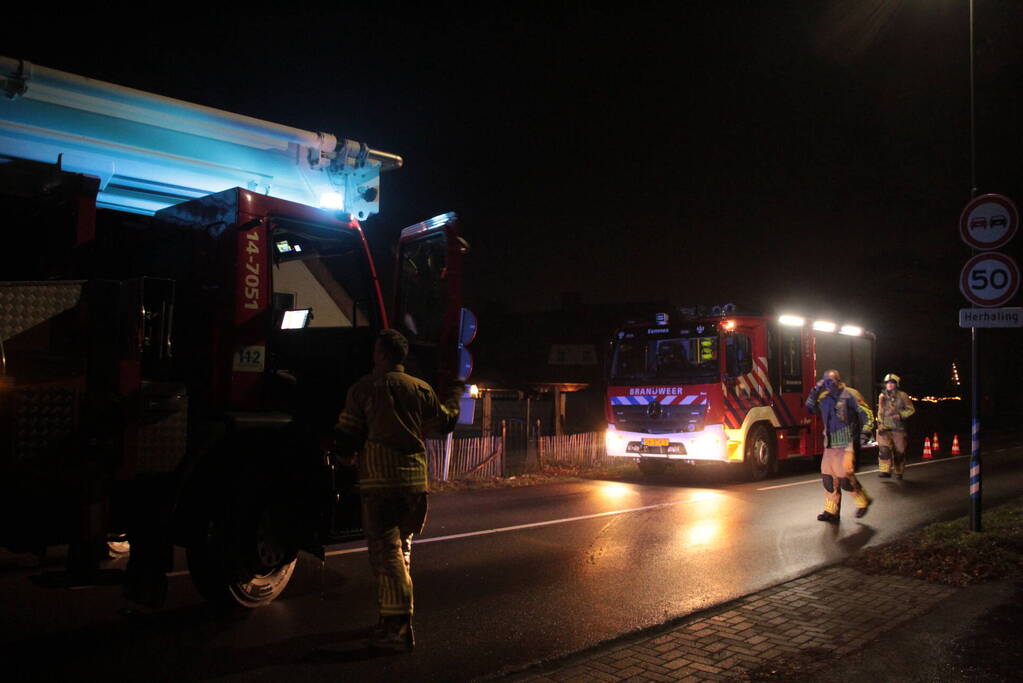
(937, 448)
(927, 448)
(955, 444)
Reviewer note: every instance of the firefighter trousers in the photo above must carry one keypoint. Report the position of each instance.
(891, 450)
(390, 521)
(838, 474)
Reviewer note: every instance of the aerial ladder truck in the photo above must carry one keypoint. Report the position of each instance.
(185, 296)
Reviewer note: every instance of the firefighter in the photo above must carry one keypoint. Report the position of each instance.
(385, 417)
(894, 407)
(844, 418)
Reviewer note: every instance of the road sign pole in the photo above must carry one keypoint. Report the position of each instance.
(975, 489)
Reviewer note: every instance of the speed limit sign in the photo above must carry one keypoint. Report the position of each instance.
(989, 279)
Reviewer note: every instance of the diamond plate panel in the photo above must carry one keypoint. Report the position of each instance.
(24, 305)
(42, 416)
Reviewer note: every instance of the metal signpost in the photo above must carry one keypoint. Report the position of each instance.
(989, 279)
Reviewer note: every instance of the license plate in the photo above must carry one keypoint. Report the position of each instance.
(655, 442)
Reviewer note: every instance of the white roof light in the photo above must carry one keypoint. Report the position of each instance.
(793, 320)
(824, 325)
(332, 200)
(851, 330)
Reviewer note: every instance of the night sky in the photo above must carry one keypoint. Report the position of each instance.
(809, 156)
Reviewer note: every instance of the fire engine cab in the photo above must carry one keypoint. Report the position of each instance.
(715, 385)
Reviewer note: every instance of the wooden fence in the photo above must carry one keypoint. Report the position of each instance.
(479, 457)
(482, 457)
(579, 450)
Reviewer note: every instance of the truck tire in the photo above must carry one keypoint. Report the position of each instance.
(238, 561)
(652, 467)
(760, 457)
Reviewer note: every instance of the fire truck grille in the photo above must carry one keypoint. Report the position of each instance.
(661, 419)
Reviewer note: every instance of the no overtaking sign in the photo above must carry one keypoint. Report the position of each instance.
(988, 221)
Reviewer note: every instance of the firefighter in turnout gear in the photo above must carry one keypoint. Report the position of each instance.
(385, 417)
(894, 407)
(842, 415)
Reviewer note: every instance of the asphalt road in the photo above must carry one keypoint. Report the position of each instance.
(504, 578)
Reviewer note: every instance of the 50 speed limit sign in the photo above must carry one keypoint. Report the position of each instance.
(989, 279)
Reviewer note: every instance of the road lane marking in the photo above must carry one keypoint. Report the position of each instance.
(911, 464)
(519, 527)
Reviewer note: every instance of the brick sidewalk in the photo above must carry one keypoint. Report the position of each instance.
(818, 617)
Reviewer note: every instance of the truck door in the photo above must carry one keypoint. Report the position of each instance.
(428, 300)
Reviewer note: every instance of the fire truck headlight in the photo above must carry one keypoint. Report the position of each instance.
(613, 441)
(708, 446)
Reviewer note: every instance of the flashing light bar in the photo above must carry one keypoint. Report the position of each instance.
(792, 320)
(824, 325)
(851, 330)
(729, 325)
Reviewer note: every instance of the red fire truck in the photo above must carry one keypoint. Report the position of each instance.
(177, 334)
(715, 385)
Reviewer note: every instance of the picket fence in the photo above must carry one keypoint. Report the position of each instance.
(579, 450)
(479, 457)
(483, 457)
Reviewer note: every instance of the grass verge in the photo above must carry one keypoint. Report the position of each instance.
(949, 553)
(549, 475)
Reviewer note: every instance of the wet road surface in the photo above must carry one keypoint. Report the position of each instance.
(503, 578)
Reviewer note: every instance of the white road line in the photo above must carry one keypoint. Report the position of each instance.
(519, 527)
(818, 479)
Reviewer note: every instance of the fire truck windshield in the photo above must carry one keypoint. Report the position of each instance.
(325, 272)
(641, 357)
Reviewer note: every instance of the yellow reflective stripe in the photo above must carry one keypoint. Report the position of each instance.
(382, 467)
(350, 423)
(831, 507)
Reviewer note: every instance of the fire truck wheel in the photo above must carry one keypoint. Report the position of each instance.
(651, 467)
(240, 563)
(761, 461)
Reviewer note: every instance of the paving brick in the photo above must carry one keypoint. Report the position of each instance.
(705, 667)
(630, 671)
(676, 663)
(626, 663)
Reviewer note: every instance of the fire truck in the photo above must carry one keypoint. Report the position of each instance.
(185, 296)
(716, 386)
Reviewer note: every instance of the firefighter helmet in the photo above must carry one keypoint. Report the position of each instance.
(892, 377)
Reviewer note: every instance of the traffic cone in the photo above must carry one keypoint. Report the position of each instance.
(927, 449)
(955, 444)
(937, 448)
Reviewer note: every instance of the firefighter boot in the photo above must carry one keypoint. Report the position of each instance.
(863, 502)
(394, 635)
(830, 513)
(884, 460)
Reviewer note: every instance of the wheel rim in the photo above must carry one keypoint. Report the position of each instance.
(761, 453)
(260, 590)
